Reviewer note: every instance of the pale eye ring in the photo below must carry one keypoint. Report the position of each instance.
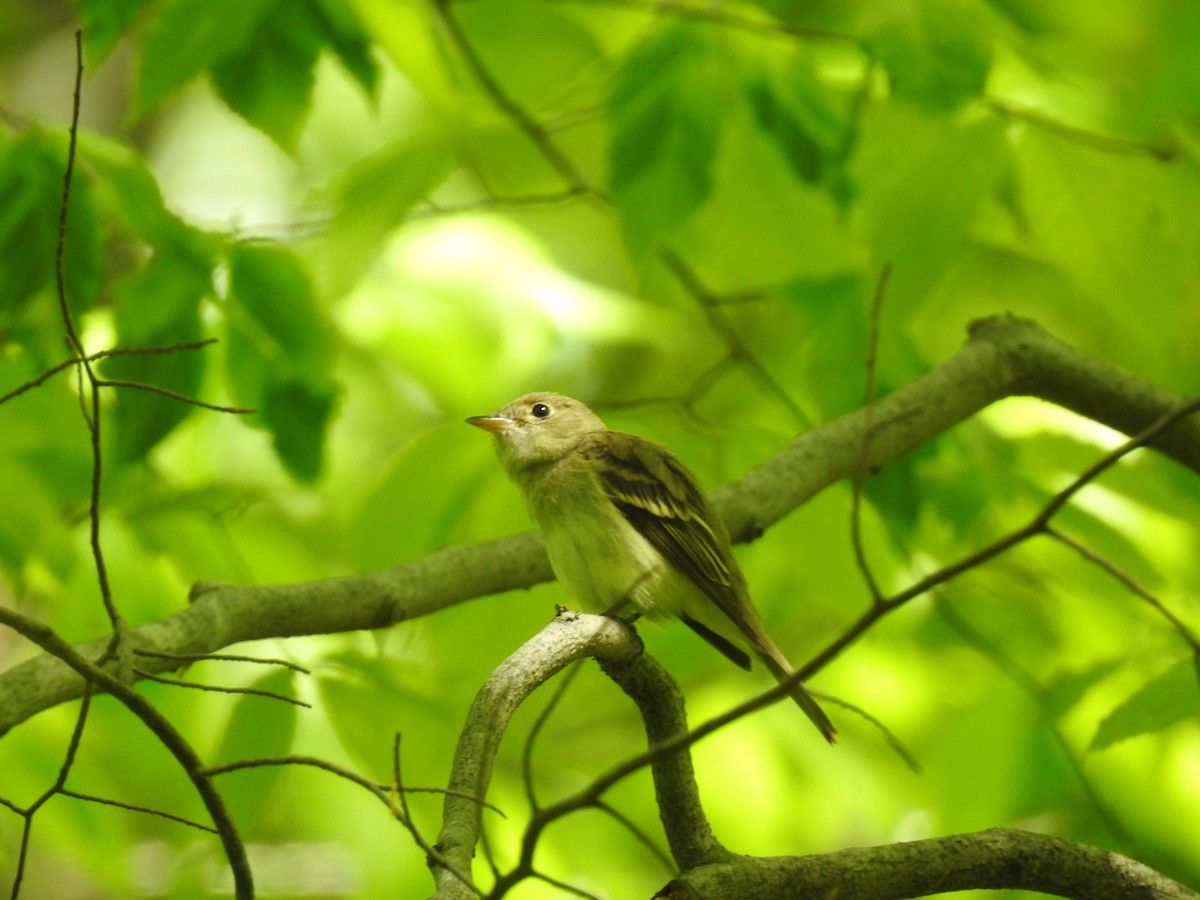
(540, 410)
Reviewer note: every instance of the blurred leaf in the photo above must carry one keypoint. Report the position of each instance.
(666, 104)
(793, 108)
(280, 353)
(1169, 698)
(27, 529)
(157, 307)
(343, 30)
(408, 513)
(369, 698)
(258, 727)
(187, 37)
(835, 341)
(937, 52)
(104, 22)
(31, 178)
(375, 194)
(1067, 688)
(128, 195)
(920, 231)
(269, 81)
(509, 29)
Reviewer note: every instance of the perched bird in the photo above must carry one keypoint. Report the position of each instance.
(623, 521)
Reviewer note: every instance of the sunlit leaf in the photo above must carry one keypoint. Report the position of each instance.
(1170, 698)
(375, 194)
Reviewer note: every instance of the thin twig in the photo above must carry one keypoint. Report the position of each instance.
(1126, 579)
(107, 801)
(860, 553)
(76, 347)
(736, 347)
(541, 139)
(431, 853)
(224, 657)
(560, 690)
(219, 689)
(50, 641)
(103, 354)
(1037, 525)
(173, 395)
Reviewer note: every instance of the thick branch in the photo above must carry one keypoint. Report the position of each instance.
(999, 858)
(568, 638)
(1004, 357)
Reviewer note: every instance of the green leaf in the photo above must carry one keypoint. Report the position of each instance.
(268, 82)
(923, 232)
(792, 107)
(937, 52)
(297, 414)
(373, 196)
(344, 33)
(104, 22)
(157, 307)
(835, 340)
(187, 37)
(1170, 698)
(505, 32)
(667, 105)
(258, 727)
(31, 174)
(128, 195)
(280, 353)
(1066, 689)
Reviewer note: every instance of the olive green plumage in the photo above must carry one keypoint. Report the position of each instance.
(625, 522)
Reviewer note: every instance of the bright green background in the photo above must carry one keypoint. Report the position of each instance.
(330, 189)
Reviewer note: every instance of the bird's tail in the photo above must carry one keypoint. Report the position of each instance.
(782, 670)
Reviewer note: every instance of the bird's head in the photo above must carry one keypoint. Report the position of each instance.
(537, 429)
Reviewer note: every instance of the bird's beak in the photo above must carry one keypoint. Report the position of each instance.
(493, 423)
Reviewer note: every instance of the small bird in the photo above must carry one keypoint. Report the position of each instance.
(623, 521)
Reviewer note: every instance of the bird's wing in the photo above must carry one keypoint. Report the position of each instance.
(661, 499)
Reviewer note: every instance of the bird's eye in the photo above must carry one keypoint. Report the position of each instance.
(540, 410)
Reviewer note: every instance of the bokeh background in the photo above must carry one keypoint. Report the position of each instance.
(394, 215)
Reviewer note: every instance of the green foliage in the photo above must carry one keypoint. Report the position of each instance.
(280, 353)
(1163, 702)
(679, 213)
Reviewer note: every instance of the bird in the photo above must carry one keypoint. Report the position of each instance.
(624, 521)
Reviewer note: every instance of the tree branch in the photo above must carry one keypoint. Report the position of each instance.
(1004, 357)
(997, 858)
(568, 638)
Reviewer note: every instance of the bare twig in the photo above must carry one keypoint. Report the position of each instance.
(1126, 579)
(860, 553)
(1038, 525)
(224, 657)
(49, 640)
(107, 801)
(220, 689)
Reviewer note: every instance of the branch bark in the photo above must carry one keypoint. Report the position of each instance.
(1003, 357)
(568, 638)
(993, 859)
(998, 858)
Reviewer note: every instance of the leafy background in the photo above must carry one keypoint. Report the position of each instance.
(396, 215)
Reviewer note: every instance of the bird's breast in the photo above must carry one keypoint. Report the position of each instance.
(599, 558)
